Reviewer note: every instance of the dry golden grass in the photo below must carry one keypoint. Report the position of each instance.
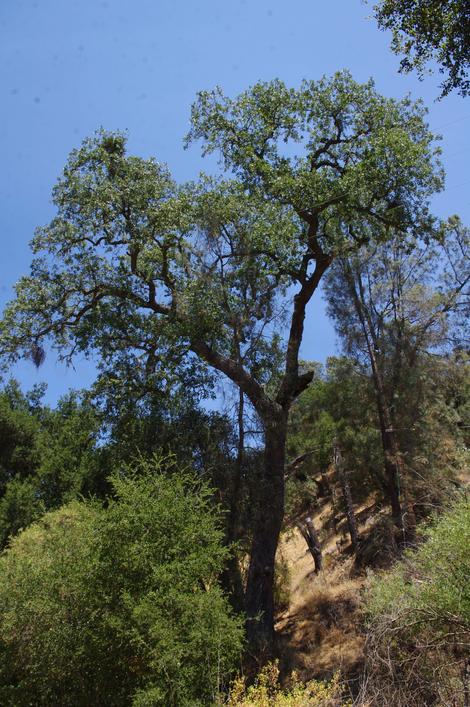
(320, 631)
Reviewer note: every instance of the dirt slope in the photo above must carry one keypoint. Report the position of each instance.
(320, 631)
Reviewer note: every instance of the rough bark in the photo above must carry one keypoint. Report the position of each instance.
(231, 577)
(259, 598)
(269, 511)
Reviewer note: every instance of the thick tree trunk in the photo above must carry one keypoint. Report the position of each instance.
(231, 577)
(259, 598)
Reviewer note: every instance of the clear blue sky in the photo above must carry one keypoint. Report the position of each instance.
(68, 67)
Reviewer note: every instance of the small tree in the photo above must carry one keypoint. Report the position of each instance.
(47, 457)
(171, 277)
(119, 605)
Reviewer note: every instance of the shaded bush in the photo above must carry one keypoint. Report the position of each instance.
(119, 605)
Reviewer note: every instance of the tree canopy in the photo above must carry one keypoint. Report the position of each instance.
(424, 30)
(145, 270)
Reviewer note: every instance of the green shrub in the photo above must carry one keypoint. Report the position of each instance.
(119, 605)
(419, 619)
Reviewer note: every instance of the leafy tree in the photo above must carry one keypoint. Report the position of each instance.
(19, 433)
(425, 30)
(51, 456)
(393, 308)
(70, 452)
(170, 279)
(47, 457)
(20, 505)
(139, 425)
(136, 424)
(119, 605)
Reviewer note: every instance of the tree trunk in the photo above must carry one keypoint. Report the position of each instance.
(392, 466)
(344, 481)
(231, 576)
(311, 538)
(269, 514)
(392, 456)
(402, 509)
(393, 460)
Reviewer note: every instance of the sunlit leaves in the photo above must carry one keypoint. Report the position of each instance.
(426, 30)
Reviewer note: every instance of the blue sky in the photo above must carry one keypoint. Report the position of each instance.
(68, 67)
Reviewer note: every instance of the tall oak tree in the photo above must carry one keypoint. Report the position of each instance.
(220, 272)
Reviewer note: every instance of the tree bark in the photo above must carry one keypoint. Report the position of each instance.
(259, 597)
(346, 489)
(231, 577)
(311, 538)
(269, 512)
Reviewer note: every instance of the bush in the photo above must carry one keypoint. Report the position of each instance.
(119, 605)
(267, 692)
(419, 620)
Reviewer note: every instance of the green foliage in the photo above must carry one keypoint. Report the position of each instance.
(161, 282)
(267, 692)
(47, 457)
(419, 616)
(396, 308)
(121, 604)
(434, 578)
(69, 451)
(324, 148)
(145, 271)
(51, 456)
(339, 404)
(426, 30)
(19, 432)
(20, 505)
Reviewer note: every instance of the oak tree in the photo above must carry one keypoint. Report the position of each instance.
(219, 273)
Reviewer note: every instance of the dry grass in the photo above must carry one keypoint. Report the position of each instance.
(320, 631)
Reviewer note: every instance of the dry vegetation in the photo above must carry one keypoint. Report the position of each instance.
(320, 630)
(322, 625)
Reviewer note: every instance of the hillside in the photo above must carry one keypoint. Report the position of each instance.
(321, 628)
